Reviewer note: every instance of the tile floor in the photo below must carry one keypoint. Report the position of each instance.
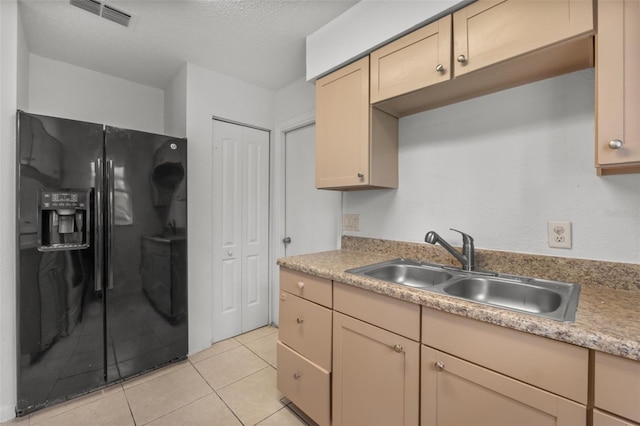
(231, 383)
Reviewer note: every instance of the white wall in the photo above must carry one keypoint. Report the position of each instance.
(175, 105)
(63, 90)
(366, 25)
(499, 167)
(211, 94)
(297, 98)
(9, 54)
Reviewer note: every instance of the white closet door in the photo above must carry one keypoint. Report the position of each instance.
(240, 227)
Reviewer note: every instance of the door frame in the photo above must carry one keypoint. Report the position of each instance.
(278, 162)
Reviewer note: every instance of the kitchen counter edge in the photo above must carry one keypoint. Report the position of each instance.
(606, 319)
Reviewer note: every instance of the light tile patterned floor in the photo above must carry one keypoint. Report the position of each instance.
(231, 383)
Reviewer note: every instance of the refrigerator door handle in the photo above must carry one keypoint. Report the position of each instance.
(98, 225)
(110, 221)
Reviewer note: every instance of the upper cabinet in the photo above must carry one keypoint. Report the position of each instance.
(488, 32)
(356, 145)
(494, 45)
(412, 62)
(618, 87)
(482, 48)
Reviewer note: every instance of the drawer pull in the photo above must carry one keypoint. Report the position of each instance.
(440, 68)
(300, 285)
(615, 144)
(283, 297)
(297, 375)
(299, 320)
(398, 348)
(439, 366)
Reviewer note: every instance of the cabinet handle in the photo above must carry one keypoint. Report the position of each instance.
(297, 375)
(440, 68)
(300, 320)
(615, 144)
(462, 59)
(398, 348)
(360, 175)
(300, 285)
(283, 296)
(439, 366)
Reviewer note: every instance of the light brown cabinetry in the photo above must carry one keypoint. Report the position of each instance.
(604, 419)
(501, 44)
(477, 365)
(375, 371)
(356, 144)
(304, 343)
(617, 388)
(488, 32)
(618, 87)
(457, 392)
(417, 60)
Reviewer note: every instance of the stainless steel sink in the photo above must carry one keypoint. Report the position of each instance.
(407, 272)
(548, 299)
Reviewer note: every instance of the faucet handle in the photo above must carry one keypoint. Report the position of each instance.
(466, 238)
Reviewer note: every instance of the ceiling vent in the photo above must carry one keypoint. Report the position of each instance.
(104, 10)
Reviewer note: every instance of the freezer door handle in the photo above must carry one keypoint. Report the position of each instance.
(98, 224)
(110, 221)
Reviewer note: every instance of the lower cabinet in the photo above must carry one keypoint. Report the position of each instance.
(375, 375)
(457, 392)
(616, 390)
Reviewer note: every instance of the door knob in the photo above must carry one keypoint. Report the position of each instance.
(286, 240)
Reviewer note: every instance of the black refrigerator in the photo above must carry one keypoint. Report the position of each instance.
(102, 256)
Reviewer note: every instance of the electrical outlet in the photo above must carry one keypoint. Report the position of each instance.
(351, 222)
(559, 233)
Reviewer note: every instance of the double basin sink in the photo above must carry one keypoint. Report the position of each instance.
(548, 299)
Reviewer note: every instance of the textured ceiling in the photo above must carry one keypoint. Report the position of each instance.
(261, 42)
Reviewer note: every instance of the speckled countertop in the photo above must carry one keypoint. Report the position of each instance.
(607, 320)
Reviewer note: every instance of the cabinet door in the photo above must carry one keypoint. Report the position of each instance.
(412, 62)
(456, 392)
(488, 31)
(342, 127)
(375, 375)
(618, 85)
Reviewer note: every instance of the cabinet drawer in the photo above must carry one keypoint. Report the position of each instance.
(306, 328)
(604, 419)
(395, 315)
(307, 286)
(304, 383)
(457, 392)
(558, 367)
(617, 385)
